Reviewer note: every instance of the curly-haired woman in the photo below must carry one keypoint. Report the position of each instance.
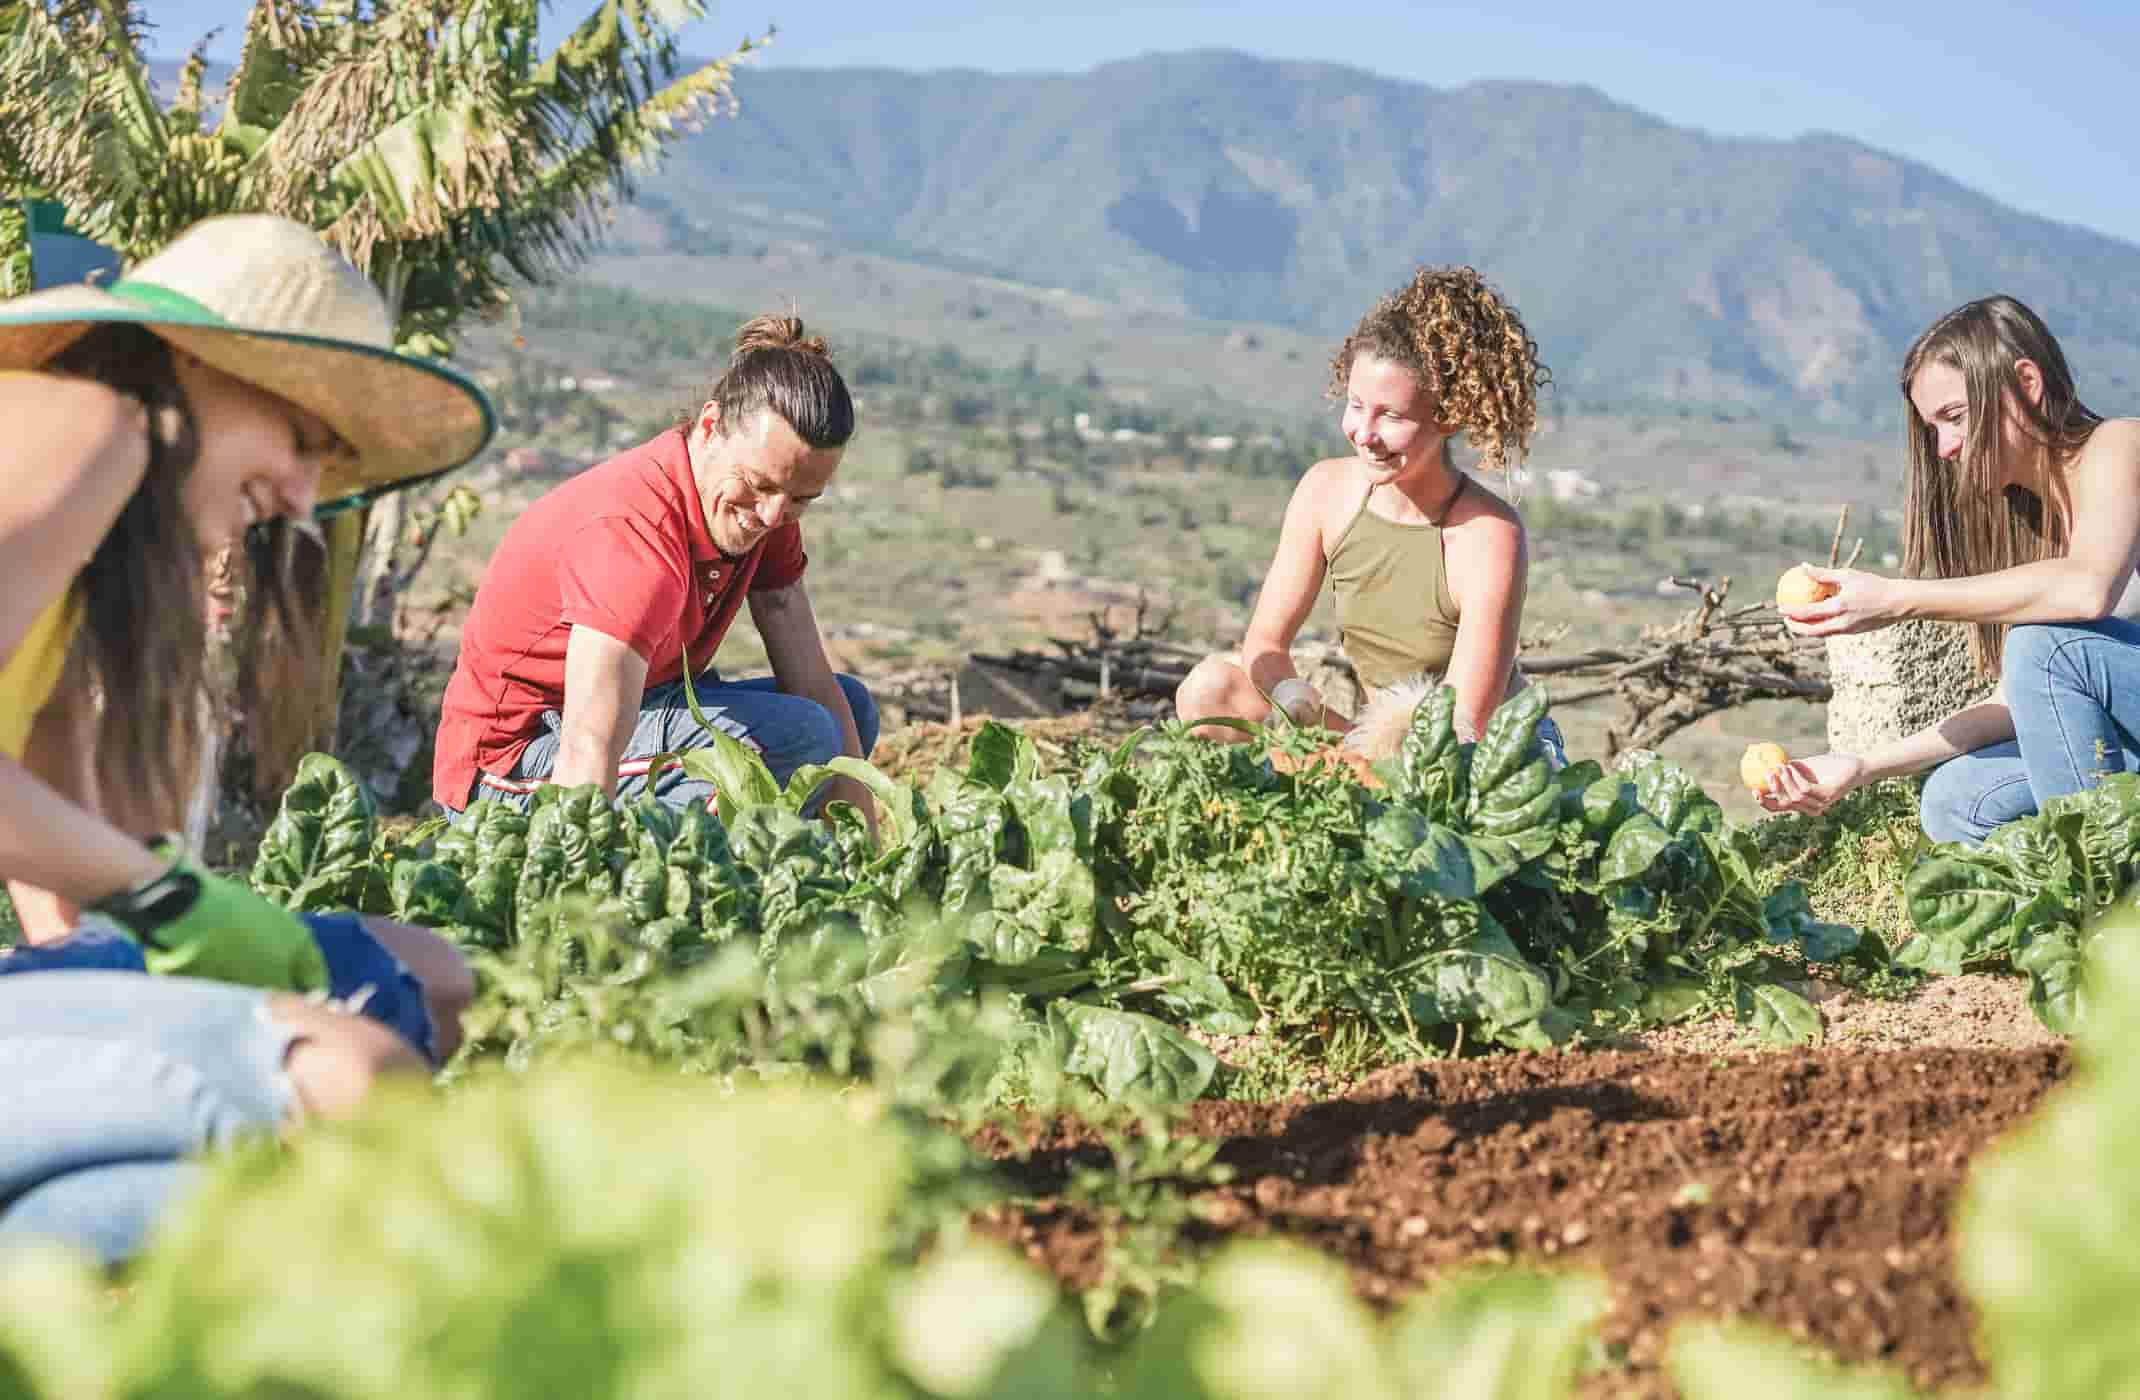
(2022, 518)
(212, 396)
(1426, 567)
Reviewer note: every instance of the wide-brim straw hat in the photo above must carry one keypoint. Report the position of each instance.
(263, 299)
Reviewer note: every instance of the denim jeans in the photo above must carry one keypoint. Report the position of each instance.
(2074, 691)
(110, 1082)
(360, 970)
(787, 731)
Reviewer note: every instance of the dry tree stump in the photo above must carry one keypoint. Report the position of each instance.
(1897, 681)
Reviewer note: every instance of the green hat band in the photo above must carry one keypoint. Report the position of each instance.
(165, 302)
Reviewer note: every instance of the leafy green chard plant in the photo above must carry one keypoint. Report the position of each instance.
(1647, 905)
(595, 1229)
(2030, 895)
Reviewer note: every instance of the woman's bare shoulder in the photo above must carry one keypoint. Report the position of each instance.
(1332, 474)
(74, 451)
(1481, 505)
(62, 425)
(2117, 436)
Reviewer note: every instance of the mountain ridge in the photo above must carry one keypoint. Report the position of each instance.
(1652, 261)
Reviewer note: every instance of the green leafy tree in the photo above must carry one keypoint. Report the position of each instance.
(434, 142)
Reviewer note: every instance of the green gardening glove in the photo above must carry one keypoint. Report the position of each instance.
(193, 924)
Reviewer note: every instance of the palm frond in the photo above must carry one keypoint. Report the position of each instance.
(283, 40)
(122, 76)
(14, 249)
(185, 109)
(80, 121)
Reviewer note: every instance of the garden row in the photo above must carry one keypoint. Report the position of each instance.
(611, 1229)
(1161, 887)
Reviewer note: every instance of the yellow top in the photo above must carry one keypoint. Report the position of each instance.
(28, 678)
(31, 674)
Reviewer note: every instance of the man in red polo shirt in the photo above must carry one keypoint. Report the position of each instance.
(572, 661)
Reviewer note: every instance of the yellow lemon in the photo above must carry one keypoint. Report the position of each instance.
(1759, 765)
(1797, 588)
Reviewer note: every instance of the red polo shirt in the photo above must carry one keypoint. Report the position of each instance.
(622, 548)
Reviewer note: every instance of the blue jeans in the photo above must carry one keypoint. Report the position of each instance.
(787, 731)
(2074, 691)
(360, 970)
(110, 1082)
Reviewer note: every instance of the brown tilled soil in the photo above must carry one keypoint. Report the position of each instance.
(1809, 1191)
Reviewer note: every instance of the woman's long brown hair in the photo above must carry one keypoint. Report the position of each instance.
(1957, 518)
(145, 631)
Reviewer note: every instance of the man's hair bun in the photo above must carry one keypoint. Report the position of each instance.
(778, 333)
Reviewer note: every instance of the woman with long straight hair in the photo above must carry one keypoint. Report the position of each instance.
(211, 398)
(2022, 518)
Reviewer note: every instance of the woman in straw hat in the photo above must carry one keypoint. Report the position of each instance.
(216, 397)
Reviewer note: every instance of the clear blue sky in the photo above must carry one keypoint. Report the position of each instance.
(2033, 104)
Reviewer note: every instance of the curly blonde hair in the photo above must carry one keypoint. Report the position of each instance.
(1468, 346)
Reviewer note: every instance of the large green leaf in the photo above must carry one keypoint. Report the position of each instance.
(1790, 919)
(1964, 905)
(2050, 1214)
(1130, 1056)
(1499, 1335)
(2109, 834)
(582, 1232)
(1671, 795)
(1416, 858)
(1270, 1322)
(1486, 980)
(1779, 1015)
(1054, 899)
(317, 853)
(975, 1323)
(1431, 766)
(1194, 991)
(900, 810)
(739, 777)
(1742, 1361)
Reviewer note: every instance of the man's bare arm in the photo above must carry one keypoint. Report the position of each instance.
(788, 626)
(604, 682)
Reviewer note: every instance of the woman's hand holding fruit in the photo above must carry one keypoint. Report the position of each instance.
(1817, 602)
(1807, 785)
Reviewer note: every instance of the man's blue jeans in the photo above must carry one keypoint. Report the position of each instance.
(787, 731)
(110, 1082)
(2074, 690)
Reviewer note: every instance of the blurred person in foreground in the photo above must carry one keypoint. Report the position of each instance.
(209, 399)
(572, 667)
(2021, 518)
(1427, 567)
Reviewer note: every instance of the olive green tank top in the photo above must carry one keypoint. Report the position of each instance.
(1396, 617)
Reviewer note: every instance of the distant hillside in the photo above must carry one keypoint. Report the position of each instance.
(1656, 264)
(1653, 262)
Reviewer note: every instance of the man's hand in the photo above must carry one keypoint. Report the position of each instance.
(796, 649)
(193, 924)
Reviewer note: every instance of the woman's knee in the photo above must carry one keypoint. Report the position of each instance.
(335, 1058)
(2030, 646)
(1210, 690)
(448, 982)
